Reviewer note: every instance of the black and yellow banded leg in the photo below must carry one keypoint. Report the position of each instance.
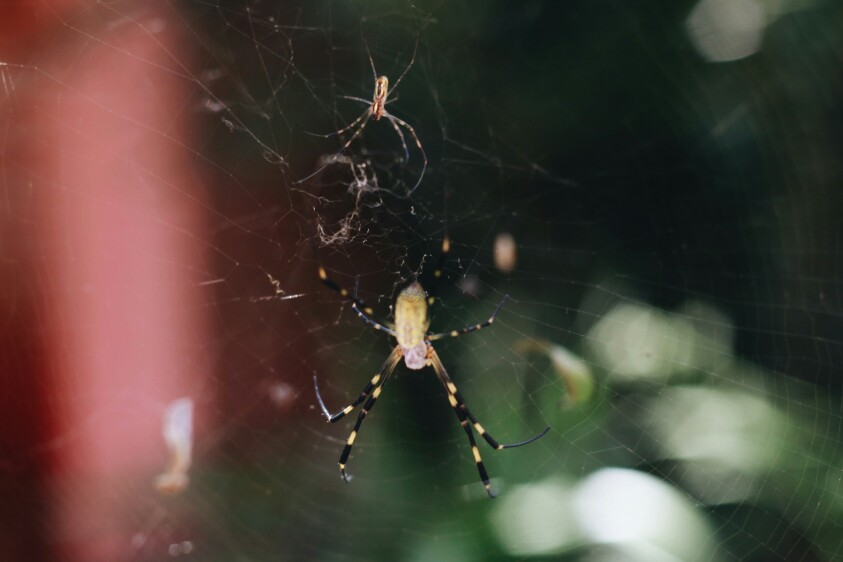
(453, 392)
(348, 409)
(323, 276)
(464, 422)
(464, 414)
(384, 372)
(469, 329)
(367, 407)
(363, 311)
(481, 468)
(373, 323)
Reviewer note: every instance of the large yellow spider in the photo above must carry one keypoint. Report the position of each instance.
(411, 332)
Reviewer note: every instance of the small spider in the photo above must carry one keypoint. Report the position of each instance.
(411, 332)
(376, 110)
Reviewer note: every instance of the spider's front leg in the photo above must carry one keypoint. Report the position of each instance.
(377, 380)
(372, 391)
(360, 308)
(389, 366)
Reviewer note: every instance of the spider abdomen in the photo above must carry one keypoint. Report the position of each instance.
(411, 324)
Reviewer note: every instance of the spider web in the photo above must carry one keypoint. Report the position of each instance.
(669, 181)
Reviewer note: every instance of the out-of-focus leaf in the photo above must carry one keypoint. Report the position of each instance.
(574, 372)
